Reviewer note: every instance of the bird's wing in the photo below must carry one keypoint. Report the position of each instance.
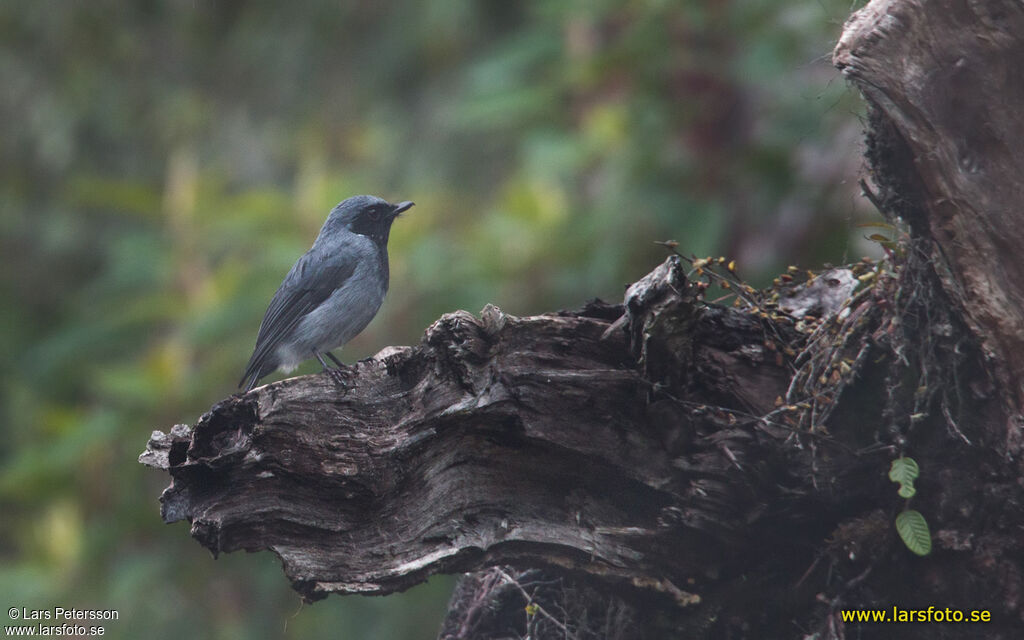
(310, 281)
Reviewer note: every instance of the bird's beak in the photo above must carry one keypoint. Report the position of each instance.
(402, 206)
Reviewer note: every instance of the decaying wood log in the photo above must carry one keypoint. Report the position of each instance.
(496, 440)
(944, 81)
(672, 468)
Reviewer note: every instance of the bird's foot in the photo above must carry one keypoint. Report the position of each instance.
(338, 375)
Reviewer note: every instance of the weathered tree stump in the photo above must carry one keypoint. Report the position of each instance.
(672, 468)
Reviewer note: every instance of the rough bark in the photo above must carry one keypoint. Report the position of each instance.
(944, 79)
(673, 468)
(496, 440)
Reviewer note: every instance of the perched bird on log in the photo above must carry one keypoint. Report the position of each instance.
(331, 293)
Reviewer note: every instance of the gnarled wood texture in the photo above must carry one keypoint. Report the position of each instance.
(670, 468)
(496, 440)
(945, 78)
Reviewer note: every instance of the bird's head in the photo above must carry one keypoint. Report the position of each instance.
(366, 215)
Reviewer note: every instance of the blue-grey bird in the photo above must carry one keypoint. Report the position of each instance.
(331, 293)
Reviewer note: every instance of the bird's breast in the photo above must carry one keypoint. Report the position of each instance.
(345, 312)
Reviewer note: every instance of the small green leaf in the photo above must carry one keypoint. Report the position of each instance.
(913, 530)
(877, 225)
(904, 471)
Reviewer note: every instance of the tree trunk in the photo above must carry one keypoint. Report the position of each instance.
(674, 468)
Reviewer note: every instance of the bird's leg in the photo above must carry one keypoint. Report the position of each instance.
(334, 359)
(337, 373)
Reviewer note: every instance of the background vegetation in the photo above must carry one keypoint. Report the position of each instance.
(165, 162)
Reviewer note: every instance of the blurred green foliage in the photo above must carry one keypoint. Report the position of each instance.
(165, 162)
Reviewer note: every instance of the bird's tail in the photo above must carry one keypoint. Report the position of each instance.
(253, 372)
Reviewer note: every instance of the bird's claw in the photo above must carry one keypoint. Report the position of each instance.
(339, 376)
